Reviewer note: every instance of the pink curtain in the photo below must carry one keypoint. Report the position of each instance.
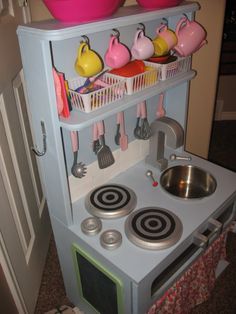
(196, 284)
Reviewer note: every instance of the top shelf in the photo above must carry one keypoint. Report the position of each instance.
(53, 30)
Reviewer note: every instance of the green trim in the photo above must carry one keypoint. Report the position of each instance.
(100, 267)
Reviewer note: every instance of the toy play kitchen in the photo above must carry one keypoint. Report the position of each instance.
(131, 211)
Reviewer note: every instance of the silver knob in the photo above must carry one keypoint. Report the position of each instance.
(111, 239)
(149, 174)
(175, 157)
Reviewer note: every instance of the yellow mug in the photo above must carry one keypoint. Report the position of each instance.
(88, 63)
(160, 46)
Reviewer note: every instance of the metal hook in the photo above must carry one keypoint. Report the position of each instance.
(165, 21)
(116, 33)
(141, 27)
(85, 39)
(43, 152)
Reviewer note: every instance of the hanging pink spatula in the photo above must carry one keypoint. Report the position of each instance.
(123, 135)
(160, 107)
(96, 144)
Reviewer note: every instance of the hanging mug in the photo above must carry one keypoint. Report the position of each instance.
(117, 54)
(168, 35)
(191, 37)
(88, 62)
(165, 41)
(142, 47)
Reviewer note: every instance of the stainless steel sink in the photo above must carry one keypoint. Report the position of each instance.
(188, 182)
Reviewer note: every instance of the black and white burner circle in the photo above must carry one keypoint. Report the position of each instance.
(110, 201)
(153, 228)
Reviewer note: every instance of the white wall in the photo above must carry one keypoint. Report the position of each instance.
(204, 87)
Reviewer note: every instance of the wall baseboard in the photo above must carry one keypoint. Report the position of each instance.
(228, 115)
(223, 115)
(219, 109)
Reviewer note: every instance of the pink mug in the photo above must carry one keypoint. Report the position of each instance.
(117, 54)
(168, 35)
(142, 47)
(191, 37)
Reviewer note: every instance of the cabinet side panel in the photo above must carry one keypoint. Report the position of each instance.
(37, 64)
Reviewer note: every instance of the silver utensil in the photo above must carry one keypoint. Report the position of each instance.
(78, 170)
(104, 154)
(146, 131)
(137, 129)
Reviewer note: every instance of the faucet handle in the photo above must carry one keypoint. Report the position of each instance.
(149, 174)
(175, 157)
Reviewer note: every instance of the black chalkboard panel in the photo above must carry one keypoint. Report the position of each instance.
(98, 287)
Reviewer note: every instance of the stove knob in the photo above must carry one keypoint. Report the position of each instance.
(174, 157)
(111, 239)
(149, 174)
(91, 226)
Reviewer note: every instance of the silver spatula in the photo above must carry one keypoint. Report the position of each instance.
(104, 154)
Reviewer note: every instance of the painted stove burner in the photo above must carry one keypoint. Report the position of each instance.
(110, 201)
(153, 228)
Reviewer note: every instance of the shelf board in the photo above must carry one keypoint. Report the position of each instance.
(79, 120)
(125, 16)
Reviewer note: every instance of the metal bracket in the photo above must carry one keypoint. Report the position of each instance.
(115, 33)
(43, 152)
(141, 27)
(165, 21)
(85, 39)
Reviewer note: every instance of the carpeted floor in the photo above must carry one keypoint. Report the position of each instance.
(223, 299)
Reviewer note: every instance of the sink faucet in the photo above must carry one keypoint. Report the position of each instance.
(165, 131)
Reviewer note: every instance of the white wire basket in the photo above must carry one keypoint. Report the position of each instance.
(170, 70)
(113, 90)
(141, 81)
